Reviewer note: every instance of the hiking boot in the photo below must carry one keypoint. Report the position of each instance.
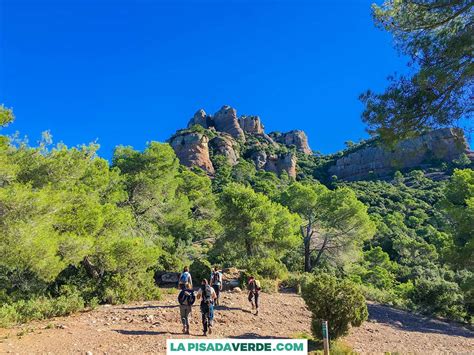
(253, 306)
(204, 334)
(187, 331)
(184, 329)
(256, 313)
(210, 329)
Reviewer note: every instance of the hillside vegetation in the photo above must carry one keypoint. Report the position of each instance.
(77, 231)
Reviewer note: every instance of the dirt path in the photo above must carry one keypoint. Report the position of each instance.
(144, 327)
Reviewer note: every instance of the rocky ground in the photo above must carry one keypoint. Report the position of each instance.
(144, 327)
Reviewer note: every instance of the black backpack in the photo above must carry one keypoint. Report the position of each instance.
(206, 294)
(186, 297)
(215, 277)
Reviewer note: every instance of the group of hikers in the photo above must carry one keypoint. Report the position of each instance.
(208, 295)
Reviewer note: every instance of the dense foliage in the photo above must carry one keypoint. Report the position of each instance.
(76, 230)
(339, 302)
(437, 36)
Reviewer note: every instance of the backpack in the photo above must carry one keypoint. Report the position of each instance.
(186, 298)
(207, 294)
(183, 279)
(257, 285)
(216, 278)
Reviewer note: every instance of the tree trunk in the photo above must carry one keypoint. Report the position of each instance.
(321, 251)
(307, 254)
(90, 268)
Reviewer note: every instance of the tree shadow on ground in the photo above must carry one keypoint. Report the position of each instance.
(137, 308)
(143, 332)
(416, 323)
(227, 308)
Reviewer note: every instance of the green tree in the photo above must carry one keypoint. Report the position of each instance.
(459, 206)
(334, 222)
(255, 228)
(437, 36)
(339, 302)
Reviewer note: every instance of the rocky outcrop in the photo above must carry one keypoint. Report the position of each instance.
(225, 120)
(192, 149)
(200, 118)
(225, 145)
(259, 158)
(297, 138)
(440, 145)
(251, 124)
(280, 163)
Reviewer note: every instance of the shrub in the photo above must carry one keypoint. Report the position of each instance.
(200, 269)
(339, 302)
(438, 297)
(269, 286)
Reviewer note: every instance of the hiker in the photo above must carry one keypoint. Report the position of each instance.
(207, 295)
(186, 300)
(185, 279)
(254, 290)
(216, 283)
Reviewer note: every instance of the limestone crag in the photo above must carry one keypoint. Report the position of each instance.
(200, 118)
(280, 163)
(225, 120)
(297, 138)
(251, 124)
(230, 134)
(442, 145)
(192, 149)
(225, 145)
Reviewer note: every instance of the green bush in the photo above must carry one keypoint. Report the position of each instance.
(438, 297)
(122, 288)
(339, 302)
(267, 268)
(41, 308)
(269, 286)
(200, 269)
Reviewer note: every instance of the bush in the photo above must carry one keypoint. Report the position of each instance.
(438, 297)
(339, 302)
(269, 286)
(200, 269)
(41, 308)
(267, 268)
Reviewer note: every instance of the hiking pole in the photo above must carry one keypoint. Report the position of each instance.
(325, 337)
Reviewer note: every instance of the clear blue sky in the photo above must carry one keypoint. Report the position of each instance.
(128, 72)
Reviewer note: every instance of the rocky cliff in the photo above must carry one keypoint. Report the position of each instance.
(235, 138)
(228, 135)
(376, 160)
(192, 149)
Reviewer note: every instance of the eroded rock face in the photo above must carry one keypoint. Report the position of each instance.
(297, 138)
(443, 144)
(192, 149)
(251, 124)
(279, 163)
(259, 158)
(224, 145)
(225, 120)
(200, 118)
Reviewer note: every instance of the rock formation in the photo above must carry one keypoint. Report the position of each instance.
(251, 124)
(200, 118)
(192, 149)
(224, 145)
(297, 138)
(280, 163)
(442, 145)
(225, 120)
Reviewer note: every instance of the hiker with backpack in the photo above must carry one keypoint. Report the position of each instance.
(254, 289)
(185, 279)
(207, 295)
(186, 299)
(216, 283)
